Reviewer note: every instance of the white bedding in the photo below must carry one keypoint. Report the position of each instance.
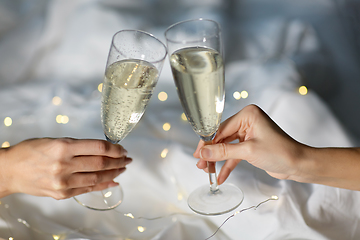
(59, 48)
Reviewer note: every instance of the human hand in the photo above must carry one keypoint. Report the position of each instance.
(261, 142)
(60, 168)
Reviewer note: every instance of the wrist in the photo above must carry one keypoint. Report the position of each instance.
(306, 168)
(4, 191)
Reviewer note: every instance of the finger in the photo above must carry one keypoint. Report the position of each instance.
(201, 164)
(79, 147)
(78, 180)
(77, 191)
(98, 163)
(224, 151)
(197, 151)
(226, 169)
(227, 128)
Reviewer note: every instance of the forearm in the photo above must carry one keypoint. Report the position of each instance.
(337, 167)
(3, 168)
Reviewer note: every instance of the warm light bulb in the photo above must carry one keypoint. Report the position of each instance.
(303, 90)
(5, 144)
(129, 215)
(56, 101)
(56, 237)
(180, 196)
(244, 94)
(162, 96)
(141, 229)
(8, 121)
(100, 86)
(183, 117)
(164, 153)
(237, 95)
(166, 126)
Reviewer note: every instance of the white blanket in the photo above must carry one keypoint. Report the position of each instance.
(59, 48)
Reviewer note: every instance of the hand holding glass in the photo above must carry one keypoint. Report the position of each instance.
(132, 70)
(198, 69)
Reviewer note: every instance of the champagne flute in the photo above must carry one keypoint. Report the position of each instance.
(198, 69)
(132, 70)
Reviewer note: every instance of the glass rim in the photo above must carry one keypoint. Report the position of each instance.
(142, 32)
(186, 21)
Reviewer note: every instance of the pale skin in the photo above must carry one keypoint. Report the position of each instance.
(60, 168)
(262, 143)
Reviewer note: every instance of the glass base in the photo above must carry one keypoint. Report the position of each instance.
(103, 200)
(205, 202)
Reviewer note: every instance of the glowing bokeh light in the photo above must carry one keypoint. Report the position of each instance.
(129, 215)
(164, 153)
(100, 86)
(166, 126)
(5, 144)
(8, 121)
(244, 94)
(108, 194)
(56, 237)
(141, 229)
(162, 96)
(62, 119)
(180, 196)
(303, 90)
(237, 95)
(56, 101)
(183, 117)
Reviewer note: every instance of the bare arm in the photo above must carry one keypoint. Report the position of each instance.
(265, 145)
(60, 168)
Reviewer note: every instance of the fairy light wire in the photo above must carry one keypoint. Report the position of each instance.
(130, 215)
(240, 211)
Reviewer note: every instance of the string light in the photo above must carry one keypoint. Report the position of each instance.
(274, 197)
(166, 127)
(100, 86)
(8, 121)
(141, 229)
(180, 196)
(183, 117)
(237, 95)
(244, 94)
(56, 237)
(303, 90)
(56, 101)
(162, 96)
(130, 215)
(62, 119)
(164, 153)
(5, 144)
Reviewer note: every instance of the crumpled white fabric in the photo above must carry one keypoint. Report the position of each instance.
(65, 55)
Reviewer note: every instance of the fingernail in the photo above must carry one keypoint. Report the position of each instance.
(113, 184)
(125, 152)
(205, 153)
(128, 160)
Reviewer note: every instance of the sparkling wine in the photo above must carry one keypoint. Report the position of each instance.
(199, 79)
(128, 86)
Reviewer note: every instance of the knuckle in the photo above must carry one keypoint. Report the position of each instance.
(102, 163)
(60, 195)
(59, 184)
(223, 150)
(102, 146)
(94, 179)
(57, 168)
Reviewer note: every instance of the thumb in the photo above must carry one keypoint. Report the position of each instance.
(224, 151)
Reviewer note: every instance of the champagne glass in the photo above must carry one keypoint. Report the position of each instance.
(198, 69)
(132, 70)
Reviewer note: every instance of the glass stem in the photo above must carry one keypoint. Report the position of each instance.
(212, 173)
